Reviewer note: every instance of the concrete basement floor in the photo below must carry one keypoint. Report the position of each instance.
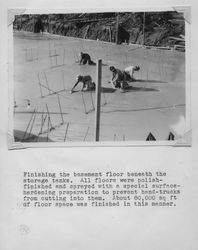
(155, 104)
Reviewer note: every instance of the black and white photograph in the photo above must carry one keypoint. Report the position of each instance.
(104, 76)
(99, 125)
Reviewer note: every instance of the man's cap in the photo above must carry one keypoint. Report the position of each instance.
(137, 67)
(78, 77)
(112, 68)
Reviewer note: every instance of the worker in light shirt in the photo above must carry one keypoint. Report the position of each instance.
(129, 72)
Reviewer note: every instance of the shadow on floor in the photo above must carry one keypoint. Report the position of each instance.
(108, 90)
(143, 109)
(103, 64)
(103, 90)
(149, 81)
(134, 89)
(111, 90)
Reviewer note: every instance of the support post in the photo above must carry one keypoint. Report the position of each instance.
(29, 135)
(48, 123)
(46, 82)
(147, 73)
(104, 99)
(110, 34)
(66, 131)
(63, 79)
(117, 28)
(86, 134)
(60, 109)
(49, 50)
(49, 23)
(49, 118)
(26, 55)
(31, 55)
(40, 85)
(21, 23)
(56, 58)
(98, 99)
(92, 101)
(84, 103)
(28, 125)
(37, 53)
(33, 23)
(42, 125)
(64, 57)
(143, 40)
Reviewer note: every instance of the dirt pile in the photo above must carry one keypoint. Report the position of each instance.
(150, 28)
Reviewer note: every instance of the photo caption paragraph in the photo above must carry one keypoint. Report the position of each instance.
(99, 189)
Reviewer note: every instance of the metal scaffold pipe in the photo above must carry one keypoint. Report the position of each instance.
(98, 100)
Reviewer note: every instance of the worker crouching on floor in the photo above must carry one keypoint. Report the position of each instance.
(129, 72)
(118, 79)
(86, 58)
(87, 82)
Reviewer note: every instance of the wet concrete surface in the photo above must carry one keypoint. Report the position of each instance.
(154, 103)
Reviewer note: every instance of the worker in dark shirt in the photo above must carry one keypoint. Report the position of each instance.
(85, 58)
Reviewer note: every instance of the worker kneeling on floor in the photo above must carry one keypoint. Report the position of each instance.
(86, 58)
(118, 80)
(87, 82)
